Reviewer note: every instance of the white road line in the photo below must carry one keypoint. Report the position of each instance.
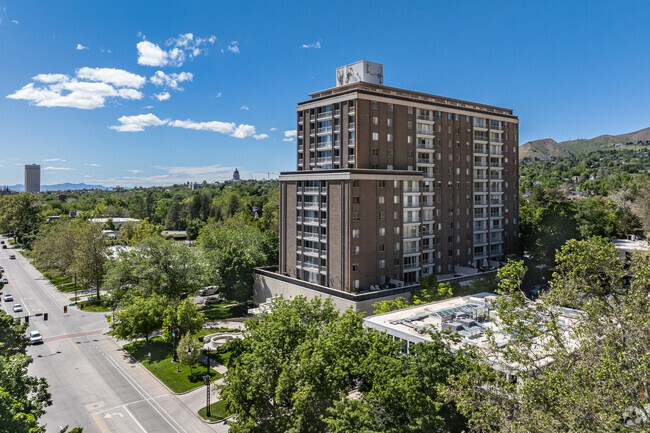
(145, 395)
(127, 404)
(135, 420)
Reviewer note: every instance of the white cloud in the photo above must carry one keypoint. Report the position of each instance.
(87, 175)
(58, 168)
(135, 171)
(92, 164)
(116, 77)
(14, 21)
(314, 45)
(150, 54)
(273, 129)
(214, 126)
(53, 160)
(287, 139)
(290, 133)
(233, 47)
(81, 47)
(243, 131)
(138, 123)
(183, 46)
(162, 96)
(147, 107)
(244, 107)
(219, 95)
(60, 90)
(260, 136)
(171, 80)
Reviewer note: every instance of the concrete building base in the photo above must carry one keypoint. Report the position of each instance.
(268, 284)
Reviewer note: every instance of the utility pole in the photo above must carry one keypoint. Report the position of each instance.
(75, 289)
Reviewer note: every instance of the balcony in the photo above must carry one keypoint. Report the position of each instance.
(428, 233)
(496, 252)
(311, 205)
(496, 128)
(412, 235)
(411, 221)
(351, 143)
(337, 128)
(411, 251)
(481, 203)
(496, 140)
(337, 160)
(481, 138)
(495, 177)
(481, 190)
(496, 152)
(411, 266)
(351, 110)
(311, 190)
(424, 131)
(310, 220)
(324, 160)
(480, 228)
(412, 190)
(480, 150)
(412, 205)
(428, 118)
(480, 216)
(351, 125)
(325, 130)
(337, 112)
(324, 146)
(351, 159)
(496, 203)
(480, 125)
(312, 118)
(480, 240)
(337, 143)
(301, 120)
(310, 251)
(425, 146)
(480, 164)
(426, 161)
(310, 267)
(310, 236)
(480, 176)
(325, 115)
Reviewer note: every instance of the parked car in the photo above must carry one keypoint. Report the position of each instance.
(212, 300)
(8, 297)
(35, 337)
(18, 308)
(207, 291)
(4, 247)
(1, 269)
(5, 280)
(12, 257)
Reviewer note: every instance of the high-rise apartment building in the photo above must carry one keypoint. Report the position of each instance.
(394, 184)
(32, 178)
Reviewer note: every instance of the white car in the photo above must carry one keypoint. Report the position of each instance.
(35, 337)
(8, 297)
(5, 280)
(18, 308)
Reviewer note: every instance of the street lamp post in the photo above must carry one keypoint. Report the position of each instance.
(75, 289)
(206, 380)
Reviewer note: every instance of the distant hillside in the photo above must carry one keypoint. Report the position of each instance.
(548, 146)
(60, 187)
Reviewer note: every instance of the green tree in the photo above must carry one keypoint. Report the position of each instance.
(142, 316)
(188, 350)
(184, 316)
(20, 216)
(236, 275)
(585, 374)
(302, 367)
(89, 255)
(23, 398)
(156, 265)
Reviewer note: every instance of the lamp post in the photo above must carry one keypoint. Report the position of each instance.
(207, 355)
(206, 380)
(75, 289)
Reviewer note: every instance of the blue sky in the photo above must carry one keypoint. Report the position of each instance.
(194, 108)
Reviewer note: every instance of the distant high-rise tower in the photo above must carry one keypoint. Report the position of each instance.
(32, 178)
(235, 175)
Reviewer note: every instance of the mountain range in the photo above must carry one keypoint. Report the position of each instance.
(549, 147)
(59, 187)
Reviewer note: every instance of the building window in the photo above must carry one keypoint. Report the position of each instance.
(381, 183)
(390, 107)
(355, 200)
(375, 120)
(381, 248)
(389, 138)
(396, 215)
(381, 199)
(389, 122)
(375, 152)
(389, 153)
(382, 264)
(382, 231)
(355, 216)
(396, 230)
(396, 199)
(355, 184)
(397, 246)
(355, 267)
(356, 284)
(409, 139)
(375, 136)
(355, 251)
(375, 105)
(355, 233)
(396, 184)
(410, 110)
(382, 215)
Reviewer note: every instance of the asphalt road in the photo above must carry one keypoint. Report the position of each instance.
(94, 384)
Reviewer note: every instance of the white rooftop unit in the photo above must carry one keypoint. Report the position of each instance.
(363, 71)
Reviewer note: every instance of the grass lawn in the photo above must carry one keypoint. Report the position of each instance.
(218, 411)
(161, 366)
(224, 311)
(203, 332)
(97, 306)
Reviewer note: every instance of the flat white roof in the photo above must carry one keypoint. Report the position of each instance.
(628, 245)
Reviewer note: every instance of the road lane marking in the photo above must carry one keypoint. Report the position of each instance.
(135, 420)
(75, 335)
(98, 423)
(145, 395)
(50, 347)
(73, 345)
(133, 402)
